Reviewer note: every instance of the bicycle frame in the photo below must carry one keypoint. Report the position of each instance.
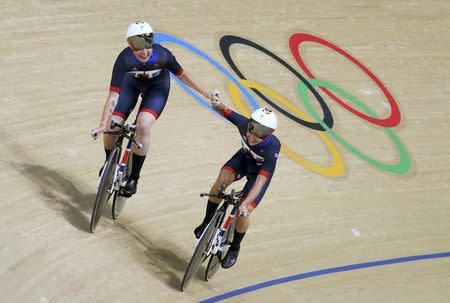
(214, 240)
(219, 243)
(119, 173)
(118, 180)
(113, 174)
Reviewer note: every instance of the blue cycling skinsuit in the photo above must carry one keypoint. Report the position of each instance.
(251, 161)
(131, 78)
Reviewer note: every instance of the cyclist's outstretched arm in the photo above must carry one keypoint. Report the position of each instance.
(187, 79)
(108, 110)
(254, 192)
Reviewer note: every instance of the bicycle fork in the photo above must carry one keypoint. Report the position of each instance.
(119, 180)
(221, 242)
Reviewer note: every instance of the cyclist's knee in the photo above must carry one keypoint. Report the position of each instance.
(225, 178)
(144, 123)
(242, 223)
(145, 119)
(221, 183)
(109, 141)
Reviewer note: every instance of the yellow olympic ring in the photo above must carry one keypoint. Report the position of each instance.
(337, 167)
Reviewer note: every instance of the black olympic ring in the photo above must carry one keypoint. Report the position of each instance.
(225, 44)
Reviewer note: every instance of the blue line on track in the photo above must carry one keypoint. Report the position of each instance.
(322, 272)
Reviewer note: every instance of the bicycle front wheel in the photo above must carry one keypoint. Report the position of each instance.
(104, 190)
(201, 249)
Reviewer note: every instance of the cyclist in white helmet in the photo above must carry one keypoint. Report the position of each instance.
(256, 160)
(141, 69)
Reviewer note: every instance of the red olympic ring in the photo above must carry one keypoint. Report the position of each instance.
(393, 120)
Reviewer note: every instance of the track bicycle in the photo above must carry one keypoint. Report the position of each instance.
(215, 239)
(114, 173)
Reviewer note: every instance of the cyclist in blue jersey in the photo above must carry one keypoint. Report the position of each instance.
(256, 160)
(141, 69)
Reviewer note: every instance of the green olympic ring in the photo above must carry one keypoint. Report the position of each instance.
(403, 164)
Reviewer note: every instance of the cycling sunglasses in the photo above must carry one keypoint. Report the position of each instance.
(140, 42)
(258, 130)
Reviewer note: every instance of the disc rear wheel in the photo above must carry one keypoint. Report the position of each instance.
(214, 262)
(212, 267)
(119, 200)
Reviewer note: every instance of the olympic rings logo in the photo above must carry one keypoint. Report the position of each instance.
(323, 125)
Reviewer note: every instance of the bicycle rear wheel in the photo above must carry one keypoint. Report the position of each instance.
(212, 267)
(215, 260)
(119, 200)
(201, 249)
(105, 185)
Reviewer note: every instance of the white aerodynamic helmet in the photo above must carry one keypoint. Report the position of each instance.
(140, 35)
(139, 28)
(263, 122)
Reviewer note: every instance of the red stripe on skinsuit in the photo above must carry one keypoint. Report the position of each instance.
(227, 112)
(229, 168)
(180, 72)
(114, 89)
(150, 112)
(119, 114)
(265, 173)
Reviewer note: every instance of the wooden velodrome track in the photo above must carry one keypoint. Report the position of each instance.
(368, 190)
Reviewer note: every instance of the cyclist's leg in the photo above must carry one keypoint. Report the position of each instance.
(154, 100)
(242, 223)
(110, 140)
(125, 104)
(225, 178)
(128, 97)
(229, 173)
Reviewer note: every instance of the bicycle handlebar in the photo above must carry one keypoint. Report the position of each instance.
(232, 197)
(127, 128)
(125, 131)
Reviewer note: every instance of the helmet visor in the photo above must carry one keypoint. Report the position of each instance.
(140, 42)
(259, 130)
